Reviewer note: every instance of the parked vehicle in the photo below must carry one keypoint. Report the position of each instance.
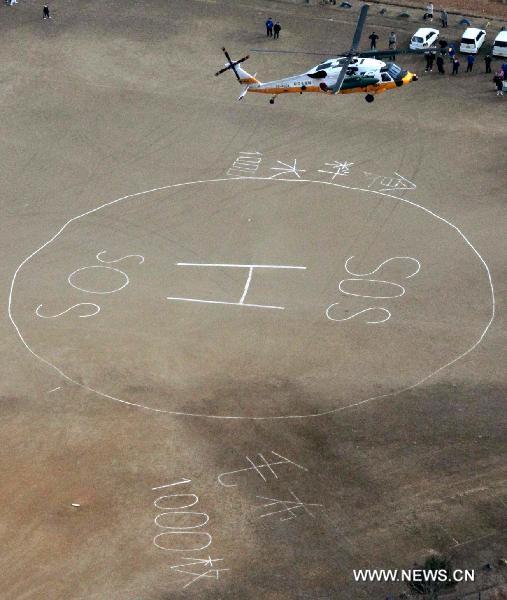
(424, 37)
(500, 44)
(472, 40)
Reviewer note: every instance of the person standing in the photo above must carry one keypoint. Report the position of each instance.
(277, 28)
(427, 57)
(429, 12)
(455, 65)
(440, 64)
(269, 27)
(487, 62)
(430, 58)
(470, 62)
(45, 12)
(444, 17)
(499, 84)
(392, 41)
(373, 41)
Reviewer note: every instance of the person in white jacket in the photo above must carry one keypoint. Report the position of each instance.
(429, 12)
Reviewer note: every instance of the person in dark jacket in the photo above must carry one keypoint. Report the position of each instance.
(470, 62)
(455, 65)
(487, 62)
(277, 28)
(430, 58)
(373, 41)
(499, 84)
(440, 64)
(45, 12)
(269, 27)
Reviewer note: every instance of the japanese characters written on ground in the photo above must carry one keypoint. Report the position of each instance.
(253, 164)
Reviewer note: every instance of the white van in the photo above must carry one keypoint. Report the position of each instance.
(424, 37)
(472, 40)
(500, 44)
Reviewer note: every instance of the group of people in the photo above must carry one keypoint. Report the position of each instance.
(498, 79)
(273, 29)
(431, 55)
(428, 15)
(450, 52)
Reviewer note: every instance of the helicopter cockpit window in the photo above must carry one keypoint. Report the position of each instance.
(317, 75)
(385, 77)
(325, 65)
(393, 70)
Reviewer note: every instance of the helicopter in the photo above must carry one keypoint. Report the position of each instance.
(355, 72)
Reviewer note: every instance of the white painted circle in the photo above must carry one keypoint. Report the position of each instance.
(462, 352)
(88, 291)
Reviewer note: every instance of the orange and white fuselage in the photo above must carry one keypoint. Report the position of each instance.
(367, 75)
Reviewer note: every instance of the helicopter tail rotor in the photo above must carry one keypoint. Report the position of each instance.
(238, 72)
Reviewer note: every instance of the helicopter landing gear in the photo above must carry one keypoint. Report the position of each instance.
(369, 97)
(272, 100)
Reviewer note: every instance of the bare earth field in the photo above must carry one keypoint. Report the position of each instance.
(246, 348)
(479, 8)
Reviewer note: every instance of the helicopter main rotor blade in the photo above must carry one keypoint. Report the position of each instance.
(341, 76)
(384, 53)
(330, 53)
(350, 54)
(359, 28)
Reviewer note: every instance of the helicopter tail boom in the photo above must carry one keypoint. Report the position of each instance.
(245, 77)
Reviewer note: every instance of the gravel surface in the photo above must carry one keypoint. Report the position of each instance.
(466, 7)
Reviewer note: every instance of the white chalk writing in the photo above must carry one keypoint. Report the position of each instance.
(396, 183)
(337, 168)
(286, 507)
(286, 169)
(245, 164)
(241, 301)
(260, 466)
(178, 532)
(346, 286)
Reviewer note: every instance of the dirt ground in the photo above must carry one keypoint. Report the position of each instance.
(477, 8)
(246, 348)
